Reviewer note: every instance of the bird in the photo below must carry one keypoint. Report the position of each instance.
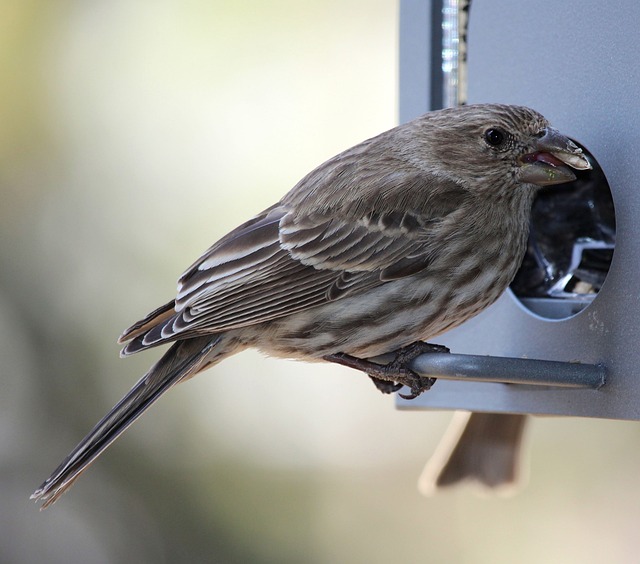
(376, 251)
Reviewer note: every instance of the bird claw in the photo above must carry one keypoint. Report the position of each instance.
(389, 378)
(385, 386)
(417, 385)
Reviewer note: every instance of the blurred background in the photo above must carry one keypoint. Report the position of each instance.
(133, 135)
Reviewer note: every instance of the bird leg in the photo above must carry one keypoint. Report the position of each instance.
(391, 377)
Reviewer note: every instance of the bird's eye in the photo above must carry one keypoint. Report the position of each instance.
(494, 137)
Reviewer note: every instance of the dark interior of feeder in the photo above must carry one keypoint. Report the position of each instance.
(571, 242)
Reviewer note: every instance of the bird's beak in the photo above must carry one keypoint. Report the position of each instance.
(552, 160)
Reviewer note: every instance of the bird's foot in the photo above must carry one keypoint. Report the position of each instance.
(385, 386)
(390, 377)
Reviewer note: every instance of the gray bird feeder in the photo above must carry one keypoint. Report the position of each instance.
(564, 339)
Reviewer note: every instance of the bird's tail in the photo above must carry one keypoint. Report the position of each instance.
(484, 448)
(183, 360)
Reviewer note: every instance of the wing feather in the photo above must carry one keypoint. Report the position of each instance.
(284, 261)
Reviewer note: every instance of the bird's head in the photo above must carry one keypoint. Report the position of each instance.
(488, 143)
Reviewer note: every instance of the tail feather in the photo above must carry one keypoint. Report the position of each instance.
(180, 362)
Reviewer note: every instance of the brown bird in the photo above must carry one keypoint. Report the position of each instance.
(393, 241)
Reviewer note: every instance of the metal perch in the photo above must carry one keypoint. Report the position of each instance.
(510, 370)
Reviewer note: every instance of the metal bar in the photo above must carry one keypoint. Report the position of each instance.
(450, 51)
(510, 370)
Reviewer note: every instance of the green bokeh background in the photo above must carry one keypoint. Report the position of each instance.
(132, 135)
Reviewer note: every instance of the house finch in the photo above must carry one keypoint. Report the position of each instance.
(393, 241)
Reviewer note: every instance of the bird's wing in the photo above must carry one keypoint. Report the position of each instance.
(280, 263)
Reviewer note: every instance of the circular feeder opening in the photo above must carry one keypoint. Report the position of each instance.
(571, 242)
